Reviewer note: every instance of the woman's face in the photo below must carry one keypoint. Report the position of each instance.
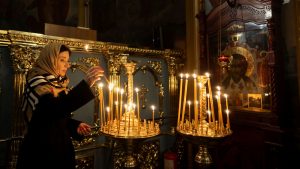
(63, 63)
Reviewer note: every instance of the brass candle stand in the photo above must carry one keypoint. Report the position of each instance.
(204, 125)
(127, 127)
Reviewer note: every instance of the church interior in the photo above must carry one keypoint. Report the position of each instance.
(215, 83)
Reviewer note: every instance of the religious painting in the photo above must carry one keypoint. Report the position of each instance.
(254, 101)
(247, 71)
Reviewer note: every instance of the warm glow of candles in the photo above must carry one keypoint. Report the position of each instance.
(179, 102)
(200, 101)
(184, 100)
(101, 117)
(108, 115)
(126, 110)
(138, 103)
(195, 100)
(153, 108)
(208, 105)
(189, 103)
(111, 87)
(117, 101)
(226, 100)
(121, 103)
(211, 100)
(209, 116)
(228, 120)
(133, 112)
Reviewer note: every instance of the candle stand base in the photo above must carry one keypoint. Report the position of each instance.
(203, 157)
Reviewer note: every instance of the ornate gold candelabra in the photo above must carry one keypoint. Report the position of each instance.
(128, 126)
(204, 124)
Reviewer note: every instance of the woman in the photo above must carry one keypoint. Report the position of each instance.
(48, 105)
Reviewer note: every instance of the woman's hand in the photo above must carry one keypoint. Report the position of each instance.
(84, 129)
(94, 74)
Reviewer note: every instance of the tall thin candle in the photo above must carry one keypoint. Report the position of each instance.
(137, 103)
(195, 100)
(101, 103)
(208, 109)
(226, 100)
(189, 103)
(179, 102)
(228, 121)
(184, 100)
(121, 103)
(153, 108)
(111, 100)
(220, 107)
(211, 100)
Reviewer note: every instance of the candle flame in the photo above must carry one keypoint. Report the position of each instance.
(111, 86)
(181, 75)
(207, 74)
(153, 107)
(122, 91)
(100, 85)
(137, 90)
(187, 75)
(194, 76)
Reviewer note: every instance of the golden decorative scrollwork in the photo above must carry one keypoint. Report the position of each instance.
(84, 63)
(155, 66)
(144, 91)
(115, 61)
(19, 37)
(23, 57)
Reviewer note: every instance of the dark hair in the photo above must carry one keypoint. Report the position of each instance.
(64, 48)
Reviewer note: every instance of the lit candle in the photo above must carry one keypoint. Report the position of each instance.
(101, 103)
(208, 109)
(226, 100)
(195, 100)
(200, 101)
(228, 121)
(108, 115)
(111, 87)
(189, 103)
(184, 100)
(138, 104)
(211, 100)
(153, 108)
(117, 101)
(125, 118)
(209, 118)
(134, 106)
(179, 102)
(121, 103)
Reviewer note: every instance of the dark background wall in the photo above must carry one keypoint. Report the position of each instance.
(146, 23)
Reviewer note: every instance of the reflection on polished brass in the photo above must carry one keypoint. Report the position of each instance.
(203, 158)
(86, 141)
(144, 155)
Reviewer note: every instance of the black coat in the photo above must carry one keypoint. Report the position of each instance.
(48, 143)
